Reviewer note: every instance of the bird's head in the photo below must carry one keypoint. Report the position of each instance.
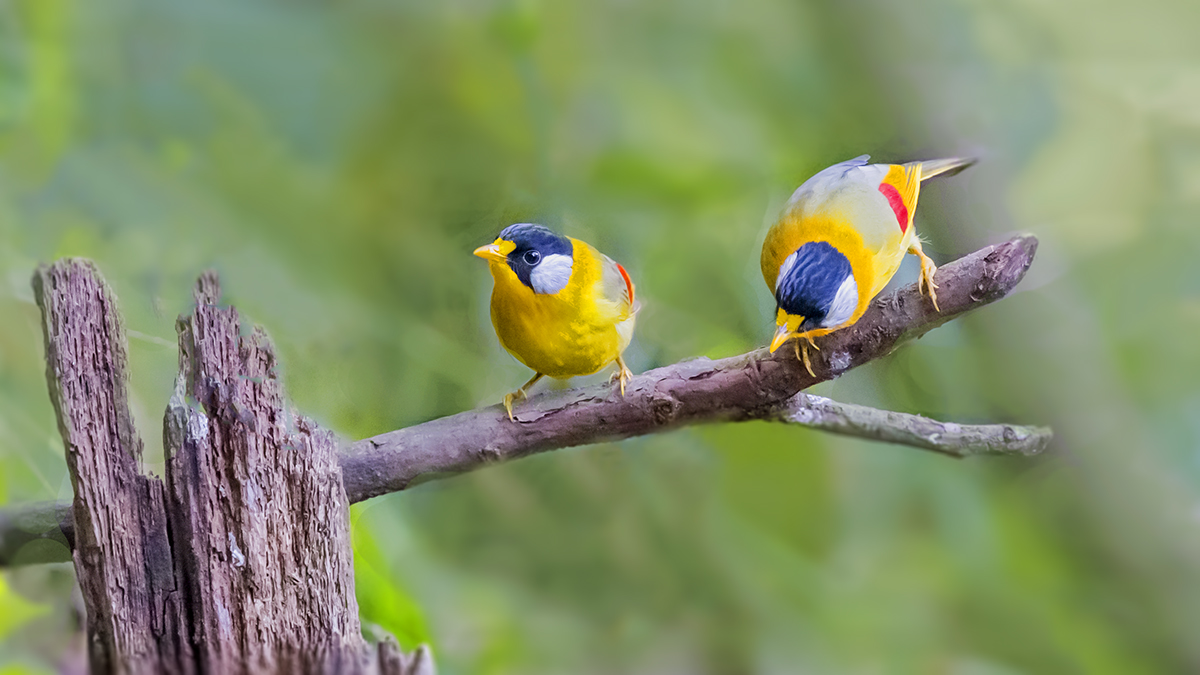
(815, 289)
(541, 259)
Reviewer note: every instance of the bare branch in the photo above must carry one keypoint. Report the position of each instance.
(752, 386)
(947, 438)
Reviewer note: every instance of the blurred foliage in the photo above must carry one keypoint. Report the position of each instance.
(337, 162)
(35, 622)
(17, 610)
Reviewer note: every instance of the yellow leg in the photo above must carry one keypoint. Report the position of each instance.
(623, 374)
(925, 283)
(509, 399)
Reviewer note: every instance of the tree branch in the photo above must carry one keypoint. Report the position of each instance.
(753, 386)
(947, 438)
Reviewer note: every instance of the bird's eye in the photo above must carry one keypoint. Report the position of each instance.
(532, 257)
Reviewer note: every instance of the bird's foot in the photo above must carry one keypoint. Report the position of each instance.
(509, 399)
(802, 352)
(925, 281)
(623, 375)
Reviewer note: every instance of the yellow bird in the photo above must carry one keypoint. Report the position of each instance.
(840, 239)
(559, 306)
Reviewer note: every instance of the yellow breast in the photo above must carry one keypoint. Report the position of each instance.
(566, 334)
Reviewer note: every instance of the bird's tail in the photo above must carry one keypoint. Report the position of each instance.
(943, 167)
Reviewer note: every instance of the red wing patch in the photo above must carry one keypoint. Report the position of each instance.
(628, 283)
(897, 203)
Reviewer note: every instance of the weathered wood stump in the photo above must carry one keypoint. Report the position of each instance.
(242, 561)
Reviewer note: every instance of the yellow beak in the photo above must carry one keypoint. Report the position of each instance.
(781, 336)
(491, 253)
(497, 251)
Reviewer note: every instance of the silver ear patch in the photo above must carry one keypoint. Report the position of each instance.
(844, 304)
(552, 274)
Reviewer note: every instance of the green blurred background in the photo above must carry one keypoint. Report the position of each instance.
(338, 161)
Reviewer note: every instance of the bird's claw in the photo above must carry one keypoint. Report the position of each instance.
(926, 285)
(925, 281)
(802, 352)
(622, 376)
(509, 399)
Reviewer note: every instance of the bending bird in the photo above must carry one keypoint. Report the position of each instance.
(840, 239)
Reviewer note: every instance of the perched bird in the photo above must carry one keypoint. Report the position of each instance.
(558, 305)
(840, 239)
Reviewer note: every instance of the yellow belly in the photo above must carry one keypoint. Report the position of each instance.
(559, 335)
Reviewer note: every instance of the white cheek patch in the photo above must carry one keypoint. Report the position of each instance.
(844, 304)
(552, 274)
(786, 267)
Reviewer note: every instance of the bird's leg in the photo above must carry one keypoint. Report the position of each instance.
(622, 375)
(519, 394)
(925, 283)
(808, 336)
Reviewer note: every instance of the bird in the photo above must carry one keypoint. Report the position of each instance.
(558, 305)
(840, 239)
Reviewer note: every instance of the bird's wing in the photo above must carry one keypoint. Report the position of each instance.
(900, 186)
(615, 284)
(827, 182)
(845, 194)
